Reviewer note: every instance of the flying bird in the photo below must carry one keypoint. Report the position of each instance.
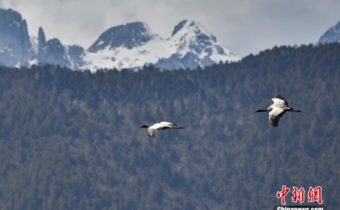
(277, 109)
(151, 130)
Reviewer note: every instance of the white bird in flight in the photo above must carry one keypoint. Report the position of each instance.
(277, 109)
(151, 130)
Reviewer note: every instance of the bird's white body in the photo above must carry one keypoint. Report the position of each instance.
(160, 126)
(276, 110)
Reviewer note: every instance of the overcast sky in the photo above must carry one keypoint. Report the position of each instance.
(243, 26)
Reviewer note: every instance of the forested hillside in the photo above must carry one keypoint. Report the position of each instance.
(71, 140)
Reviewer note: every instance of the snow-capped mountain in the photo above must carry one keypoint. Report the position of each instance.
(331, 35)
(194, 46)
(134, 45)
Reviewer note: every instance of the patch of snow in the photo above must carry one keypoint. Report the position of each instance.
(122, 57)
(32, 62)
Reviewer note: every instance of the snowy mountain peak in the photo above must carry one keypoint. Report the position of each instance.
(129, 36)
(331, 35)
(195, 47)
(190, 34)
(190, 27)
(182, 24)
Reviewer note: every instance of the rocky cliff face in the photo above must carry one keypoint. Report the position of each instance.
(15, 45)
(54, 52)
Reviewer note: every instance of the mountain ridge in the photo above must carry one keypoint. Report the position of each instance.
(188, 46)
(126, 46)
(127, 35)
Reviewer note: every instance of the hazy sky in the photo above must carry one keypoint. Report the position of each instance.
(243, 26)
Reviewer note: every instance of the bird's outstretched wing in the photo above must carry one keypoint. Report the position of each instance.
(164, 125)
(282, 98)
(280, 102)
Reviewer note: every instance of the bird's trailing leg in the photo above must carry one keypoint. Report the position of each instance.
(261, 110)
(293, 110)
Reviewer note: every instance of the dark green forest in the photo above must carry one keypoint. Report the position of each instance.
(70, 140)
